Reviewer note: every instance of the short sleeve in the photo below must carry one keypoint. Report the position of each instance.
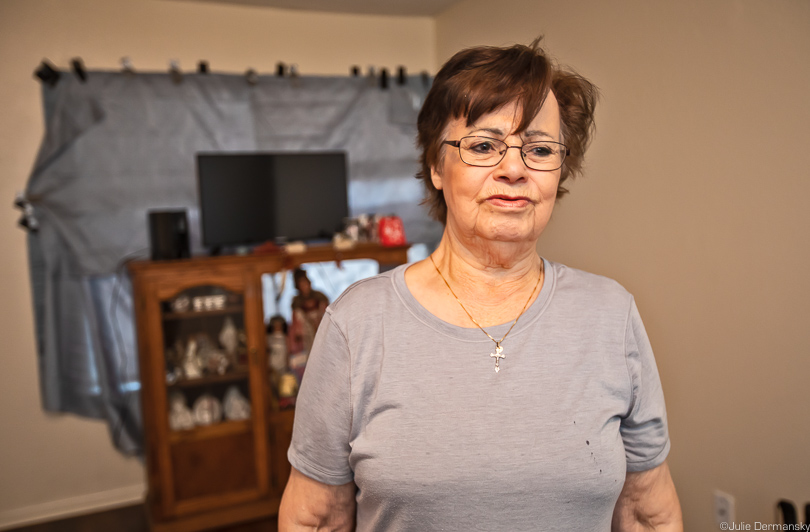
(644, 430)
(320, 441)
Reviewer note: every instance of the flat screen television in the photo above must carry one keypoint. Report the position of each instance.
(251, 198)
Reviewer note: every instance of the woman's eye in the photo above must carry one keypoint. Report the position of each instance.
(482, 147)
(539, 151)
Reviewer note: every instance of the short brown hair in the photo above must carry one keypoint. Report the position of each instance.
(480, 80)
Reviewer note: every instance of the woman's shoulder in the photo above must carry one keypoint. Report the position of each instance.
(576, 284)
(367, 293)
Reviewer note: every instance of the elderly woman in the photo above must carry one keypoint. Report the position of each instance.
(486, 388)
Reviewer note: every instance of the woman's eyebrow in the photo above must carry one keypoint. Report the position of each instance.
(492, 130)
(499, 132)
(537, 133)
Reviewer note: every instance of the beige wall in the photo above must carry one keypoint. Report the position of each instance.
(53, 464)
(696, 199)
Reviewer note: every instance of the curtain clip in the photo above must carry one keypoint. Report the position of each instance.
(251, 77)
(78, 68)
(47, 73)
(384, 78)
(126, 65)
(28, 220)
(174, 71)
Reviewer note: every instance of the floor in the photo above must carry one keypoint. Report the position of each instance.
(127, 519)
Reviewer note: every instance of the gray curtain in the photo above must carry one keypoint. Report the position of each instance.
(120, 144)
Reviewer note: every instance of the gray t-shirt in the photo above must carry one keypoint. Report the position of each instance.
(411, 409)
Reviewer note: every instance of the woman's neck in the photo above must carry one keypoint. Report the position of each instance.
(476, 268)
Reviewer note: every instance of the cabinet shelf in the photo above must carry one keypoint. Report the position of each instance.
(190, 314)
(231, 376)
(216, 430)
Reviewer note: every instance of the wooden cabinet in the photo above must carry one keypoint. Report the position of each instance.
(215, 441)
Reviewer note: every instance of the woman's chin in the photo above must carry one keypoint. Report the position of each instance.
(516, 235)
(491, 229)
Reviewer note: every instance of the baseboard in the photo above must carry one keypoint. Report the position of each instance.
(83, 504)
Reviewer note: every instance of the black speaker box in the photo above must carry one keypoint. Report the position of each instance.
(168, 235)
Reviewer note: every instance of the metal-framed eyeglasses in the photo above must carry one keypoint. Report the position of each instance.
(543, 155)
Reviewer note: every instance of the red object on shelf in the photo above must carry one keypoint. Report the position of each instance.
(391, 231)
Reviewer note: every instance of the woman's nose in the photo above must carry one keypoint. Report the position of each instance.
(511, 168)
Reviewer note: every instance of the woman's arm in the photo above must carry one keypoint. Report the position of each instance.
(648, 502)
(309, 505)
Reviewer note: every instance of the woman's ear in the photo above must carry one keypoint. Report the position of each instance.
(435, 178)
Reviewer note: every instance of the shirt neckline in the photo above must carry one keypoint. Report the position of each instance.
(473, 333)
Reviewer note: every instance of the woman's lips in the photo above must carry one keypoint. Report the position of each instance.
(509, 202)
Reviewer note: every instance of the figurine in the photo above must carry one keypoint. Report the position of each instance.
(341, 242)
(308, 308)
(229, 338)
(217, 363)
(175, 355)
(179, 413)
(298, 363)
(277, 343)
(181, 303)
(236, 406)
(174, 375)
(192, 369)
(288, 387)
(351, 229)
(207, 410)
(364, 222)
(212, 359)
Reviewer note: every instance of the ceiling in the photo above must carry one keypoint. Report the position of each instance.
(370, 7)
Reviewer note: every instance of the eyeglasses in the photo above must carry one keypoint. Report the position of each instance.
(544, 155)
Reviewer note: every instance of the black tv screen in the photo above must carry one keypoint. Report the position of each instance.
(250, 198)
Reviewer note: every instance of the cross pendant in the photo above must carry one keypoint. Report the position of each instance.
(498, 355)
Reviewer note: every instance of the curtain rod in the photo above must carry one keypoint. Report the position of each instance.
(48, 74)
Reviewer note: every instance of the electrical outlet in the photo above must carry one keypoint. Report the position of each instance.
(723, 507)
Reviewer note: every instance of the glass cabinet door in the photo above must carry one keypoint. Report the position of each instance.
(214, 452)
(207, 365)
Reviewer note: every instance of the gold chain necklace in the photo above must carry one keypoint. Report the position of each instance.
(498, 354)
